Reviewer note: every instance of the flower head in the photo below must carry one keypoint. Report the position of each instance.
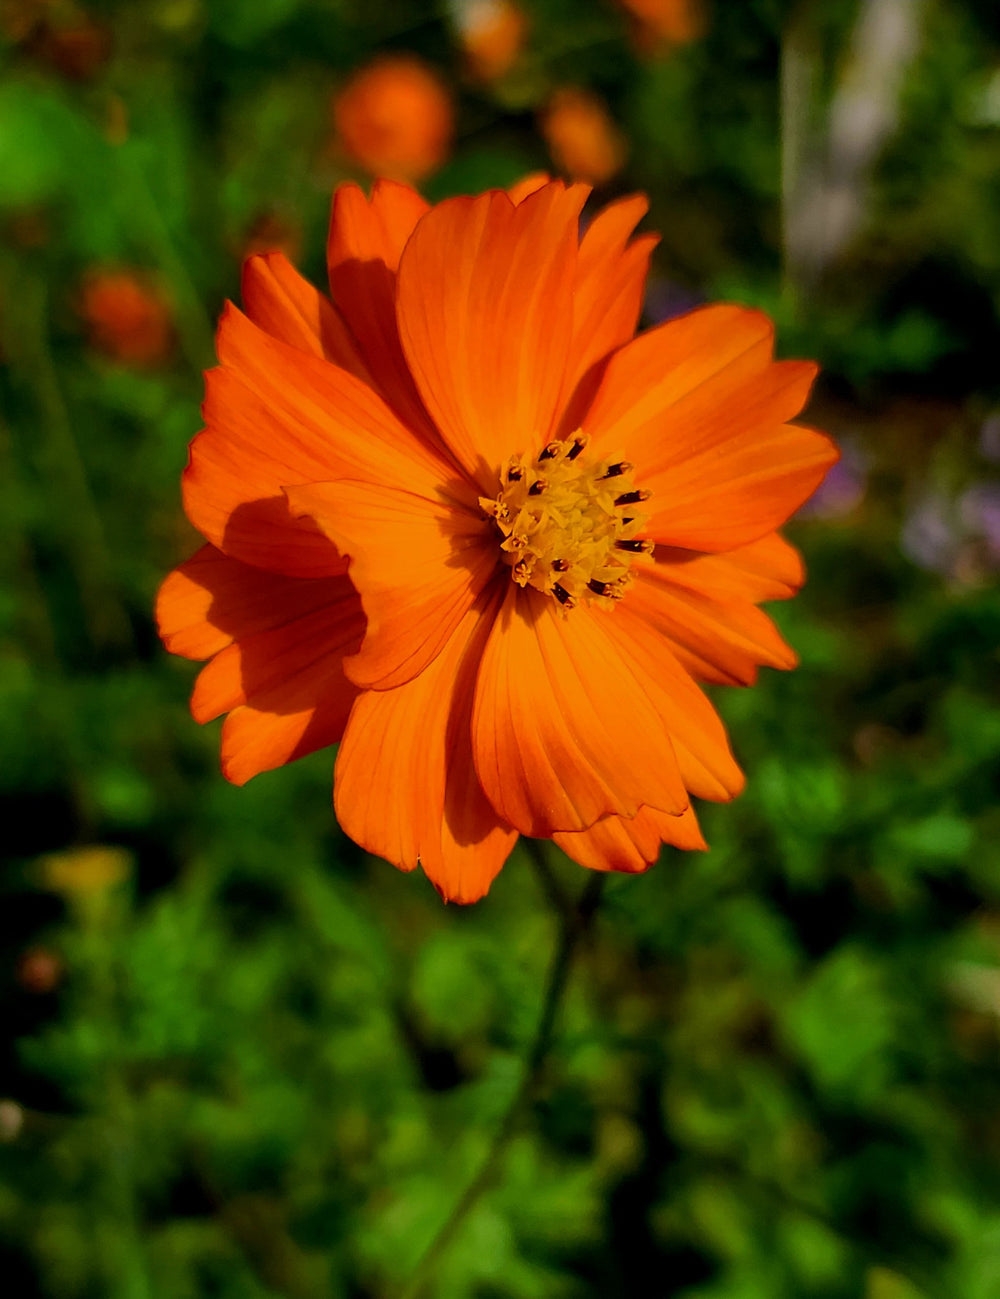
(395, 118)
(492, 35)
(663, 23)
(461, 521)
(584, 142)
(126, 316)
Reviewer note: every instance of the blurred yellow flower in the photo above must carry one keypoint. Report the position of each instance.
(84, 870)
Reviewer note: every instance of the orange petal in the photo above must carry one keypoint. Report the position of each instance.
(484, 305)
(563, 730)
(418, 563)
(722, 641)
(375, 229)
(527, 186)
(273, 731)
(284, 688)
(277, 416)
(367, 237)
(607, 299)
(698, 406)
(677, 704)
(405, 786)
(620, 844)
(750, 487)
(768, 569)
(210, 600)
(280, 301)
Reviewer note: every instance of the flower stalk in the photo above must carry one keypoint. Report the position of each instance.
(575, 918)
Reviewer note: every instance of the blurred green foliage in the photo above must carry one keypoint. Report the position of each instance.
(242, 1059)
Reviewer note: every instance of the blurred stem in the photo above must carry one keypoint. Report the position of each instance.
(574, 921)
(195, 331)
(114, 1203)
(58, 461)
(800, 67)
(18, 567)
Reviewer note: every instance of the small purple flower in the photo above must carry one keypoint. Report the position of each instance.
(959, 538)
(843, 488)
(979, 512)
(989, 439)
(665, 300)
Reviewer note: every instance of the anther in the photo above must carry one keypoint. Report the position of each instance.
(551, 451)
(495, 509)
(636, 545)
(514, 474)
(560, 565)
(600, 588)
(522, 572)
(563, 596)
(538, 486)
(615, 471)
(631, 498)
(578, 445)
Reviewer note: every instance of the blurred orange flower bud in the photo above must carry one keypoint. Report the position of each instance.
(39, 970)
(395, 118)
(77, 48)
(665, 22)
(272, 232)
(127, 318)
(492, 34)
(70, 41)
(584, 142)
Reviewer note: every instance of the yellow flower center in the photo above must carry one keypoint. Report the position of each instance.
(569, 523)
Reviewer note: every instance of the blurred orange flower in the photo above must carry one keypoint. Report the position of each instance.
(582, 139)
(492, 34)
(459, 519)
(395, 118)
(126, 317)
(39, 970)
(666, 22)
(70, 41)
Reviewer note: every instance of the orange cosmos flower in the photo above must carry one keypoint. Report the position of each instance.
(666, 22)
(582, 139)
(492, 34)
(395, 118)
(127, 317)
(461, 521)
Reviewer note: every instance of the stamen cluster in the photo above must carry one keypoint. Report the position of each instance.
(569, 524)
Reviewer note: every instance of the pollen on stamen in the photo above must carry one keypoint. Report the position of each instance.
(556, 513)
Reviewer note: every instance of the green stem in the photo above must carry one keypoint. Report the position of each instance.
(58, 462)
(574, 921)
